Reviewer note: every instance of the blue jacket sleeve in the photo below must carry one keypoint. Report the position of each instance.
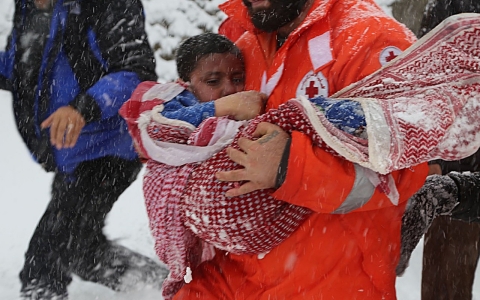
(111, 91)
(185, 107)
(6, 64)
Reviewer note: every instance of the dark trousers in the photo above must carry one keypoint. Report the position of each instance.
(450, 259)
(69, 238)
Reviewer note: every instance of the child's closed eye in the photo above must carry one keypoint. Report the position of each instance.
(213, 82)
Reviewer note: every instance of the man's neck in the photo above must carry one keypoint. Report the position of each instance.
(284, 31)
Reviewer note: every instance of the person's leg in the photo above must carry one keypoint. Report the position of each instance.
(100, 183)
(44, 276)
(450, 258)
(69, 237)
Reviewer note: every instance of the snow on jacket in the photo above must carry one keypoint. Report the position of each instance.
(95, 54)
(349, 248)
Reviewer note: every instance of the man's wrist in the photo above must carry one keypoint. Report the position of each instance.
(283, 166)
(87, 107)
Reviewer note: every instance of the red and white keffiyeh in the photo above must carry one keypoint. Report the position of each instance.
(422, 106)
(426, 103)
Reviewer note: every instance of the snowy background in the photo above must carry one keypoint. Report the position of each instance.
(25, 188)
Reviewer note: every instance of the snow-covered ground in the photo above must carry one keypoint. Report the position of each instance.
(24, 187)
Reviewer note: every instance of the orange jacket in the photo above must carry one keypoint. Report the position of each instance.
(231, 29)
(332, 255)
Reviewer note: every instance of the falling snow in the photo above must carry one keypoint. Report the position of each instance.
(25, 187)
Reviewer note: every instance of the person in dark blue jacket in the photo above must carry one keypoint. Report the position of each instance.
(70, 65)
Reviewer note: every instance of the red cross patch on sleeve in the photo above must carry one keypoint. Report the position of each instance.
(388, 54)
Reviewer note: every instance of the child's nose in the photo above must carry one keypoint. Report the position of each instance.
(229, 88)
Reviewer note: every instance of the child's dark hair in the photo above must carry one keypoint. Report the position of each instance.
(194, 48)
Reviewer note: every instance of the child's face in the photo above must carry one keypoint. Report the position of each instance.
(217, 75)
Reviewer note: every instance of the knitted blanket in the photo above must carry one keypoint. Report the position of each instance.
(422, 106)
(425, 102)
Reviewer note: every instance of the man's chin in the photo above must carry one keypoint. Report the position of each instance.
(270, 15)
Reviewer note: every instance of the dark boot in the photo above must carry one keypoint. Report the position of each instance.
(142, 272)
(38, 290)
(122, 269)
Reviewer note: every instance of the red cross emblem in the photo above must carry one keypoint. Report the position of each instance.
(311, 91)
(312, 85)
(391, 56)
(388, 54)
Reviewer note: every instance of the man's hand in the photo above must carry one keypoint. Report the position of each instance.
(65, 124)
(259, 158)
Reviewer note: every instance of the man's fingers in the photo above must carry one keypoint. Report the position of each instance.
(234, 175)
(243, 189)
(47, 123)
(74, 135)
(65, 125)
(262, 129)
(236, 155)
(244, 144)
(53, 132)
(59, 133)
(69, 134)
